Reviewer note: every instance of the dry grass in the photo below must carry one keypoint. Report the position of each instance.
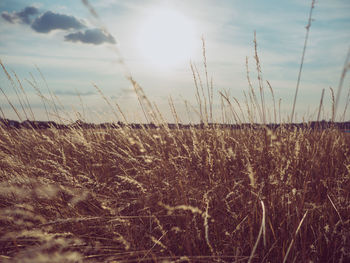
(174, 195)
(124, 195)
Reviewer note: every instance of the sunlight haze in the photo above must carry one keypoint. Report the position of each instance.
(166, 38)
(155, 41)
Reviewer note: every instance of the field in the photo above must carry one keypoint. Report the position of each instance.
(233, 192)
(179, 195)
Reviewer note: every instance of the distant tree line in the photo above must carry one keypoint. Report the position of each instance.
(6, 123)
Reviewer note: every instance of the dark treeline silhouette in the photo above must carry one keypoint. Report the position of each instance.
(6, 123)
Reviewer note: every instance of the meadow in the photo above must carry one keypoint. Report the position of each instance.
(205, 193)
(161, 195)
(202, 193)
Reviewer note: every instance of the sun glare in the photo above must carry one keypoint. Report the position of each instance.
(166, 38)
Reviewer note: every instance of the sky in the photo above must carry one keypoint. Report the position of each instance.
(62, 49)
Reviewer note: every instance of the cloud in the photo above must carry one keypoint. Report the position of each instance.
(73, 93)
(129, 90)
(91, 36)
(20, 17)
(124, 93)
(127, 93)
(50, 21)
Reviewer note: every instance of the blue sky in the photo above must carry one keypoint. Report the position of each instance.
(72, 50)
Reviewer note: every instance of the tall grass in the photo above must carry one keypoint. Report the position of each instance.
(302, 59)
(192, 195)
(174, 195)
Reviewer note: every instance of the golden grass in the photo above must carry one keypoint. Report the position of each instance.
(124, 195)
(175, 195)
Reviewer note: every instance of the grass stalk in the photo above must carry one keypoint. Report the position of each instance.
(320, 107)
(261, 231)
(260, 80)
(302, 59)
(341, 82)
(296, 233)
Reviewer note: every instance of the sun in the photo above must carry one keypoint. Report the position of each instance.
(166, 38)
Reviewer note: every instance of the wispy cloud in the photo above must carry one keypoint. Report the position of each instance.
(90, 36)
(50, 21)
(21, 16)
(73, 93)
(125, 94)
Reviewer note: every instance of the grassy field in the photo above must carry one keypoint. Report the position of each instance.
(160, 195)
(164, 195)
(203, 193)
